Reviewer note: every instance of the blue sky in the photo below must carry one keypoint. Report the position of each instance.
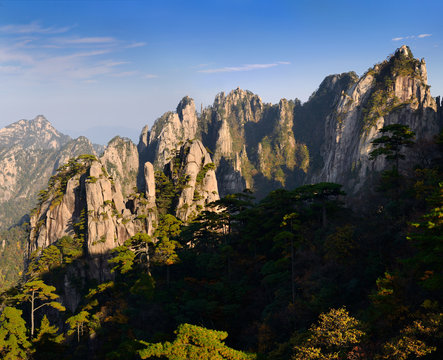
(102, 68)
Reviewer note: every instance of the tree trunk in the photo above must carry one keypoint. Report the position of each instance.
(167, 275)
(324, 220)
(32, 314)
(292, 271)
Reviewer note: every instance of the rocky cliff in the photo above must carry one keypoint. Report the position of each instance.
(121, 160)
(83, 201)
(263, 146)
(192, 171)
(30, 152)
(252, 143)
(394, 91)
(187, 160)
(168, 133)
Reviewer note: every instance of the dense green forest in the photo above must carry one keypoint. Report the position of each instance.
(297, 275)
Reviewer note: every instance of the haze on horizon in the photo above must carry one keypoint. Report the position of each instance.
(102, 68)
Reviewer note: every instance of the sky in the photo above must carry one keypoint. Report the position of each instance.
(103, 68)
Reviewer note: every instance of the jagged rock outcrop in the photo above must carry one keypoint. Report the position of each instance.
(193, 164)
(32, 134)
(185, 161)
(252, 143)
(122, 162)
(168, 134)
(83, 201)
(30, 152)
(394, 91)
(149, 177)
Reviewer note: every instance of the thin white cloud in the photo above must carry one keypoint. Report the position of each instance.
(420, 36)
(136, 45)
(85, 54)
(86, 40)
(150, 76)
(247, 67)
(32, 28)
(36, 56)
(124, 74)
(10, 69)
(22, 43)
(114, 63)
(90, 81)
(11, 56)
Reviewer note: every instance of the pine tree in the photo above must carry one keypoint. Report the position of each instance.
(77, 323)
(391, 143)
(14, 344)
(38, 294)
(137, 249)
(194, 343)
(165, 254)
(331, 338)
(48, 343)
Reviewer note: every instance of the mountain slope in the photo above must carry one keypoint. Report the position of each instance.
(30, 152)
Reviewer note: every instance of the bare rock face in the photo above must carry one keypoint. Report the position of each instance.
(33, 134)
(394, 91)
(122, 163)
(196, 166)
(90, 207)
(30, 152)
(168, 134)
(149, 175)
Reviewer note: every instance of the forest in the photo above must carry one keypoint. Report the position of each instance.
(296, 275)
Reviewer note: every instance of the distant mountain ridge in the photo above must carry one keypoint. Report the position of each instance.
(253, 145)
(263, 146)
(30, 152)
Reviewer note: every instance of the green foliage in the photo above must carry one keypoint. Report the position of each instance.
(48, 342)
(395, 138)
(168, 228)
(70, 248)
(12, 248)
(382, 101)
(194, 342)
(62, 252)
(58, 182)
(331, 338)
(410, 342)
(138, 249)
(165, 192)
(38, 294)
(77, 323)
(14, 344)
(202, 173)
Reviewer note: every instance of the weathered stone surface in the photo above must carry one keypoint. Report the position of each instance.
(30, 152)
(239, 142)
(168, 133)
(150, 182)
(201, 187)
(348, 135)
(121, 161)
(94, 198)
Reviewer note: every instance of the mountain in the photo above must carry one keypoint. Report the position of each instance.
(186, 160)
(392, 92)
(262, 146)
(237, 143)
(141, 239)
(30, 152)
